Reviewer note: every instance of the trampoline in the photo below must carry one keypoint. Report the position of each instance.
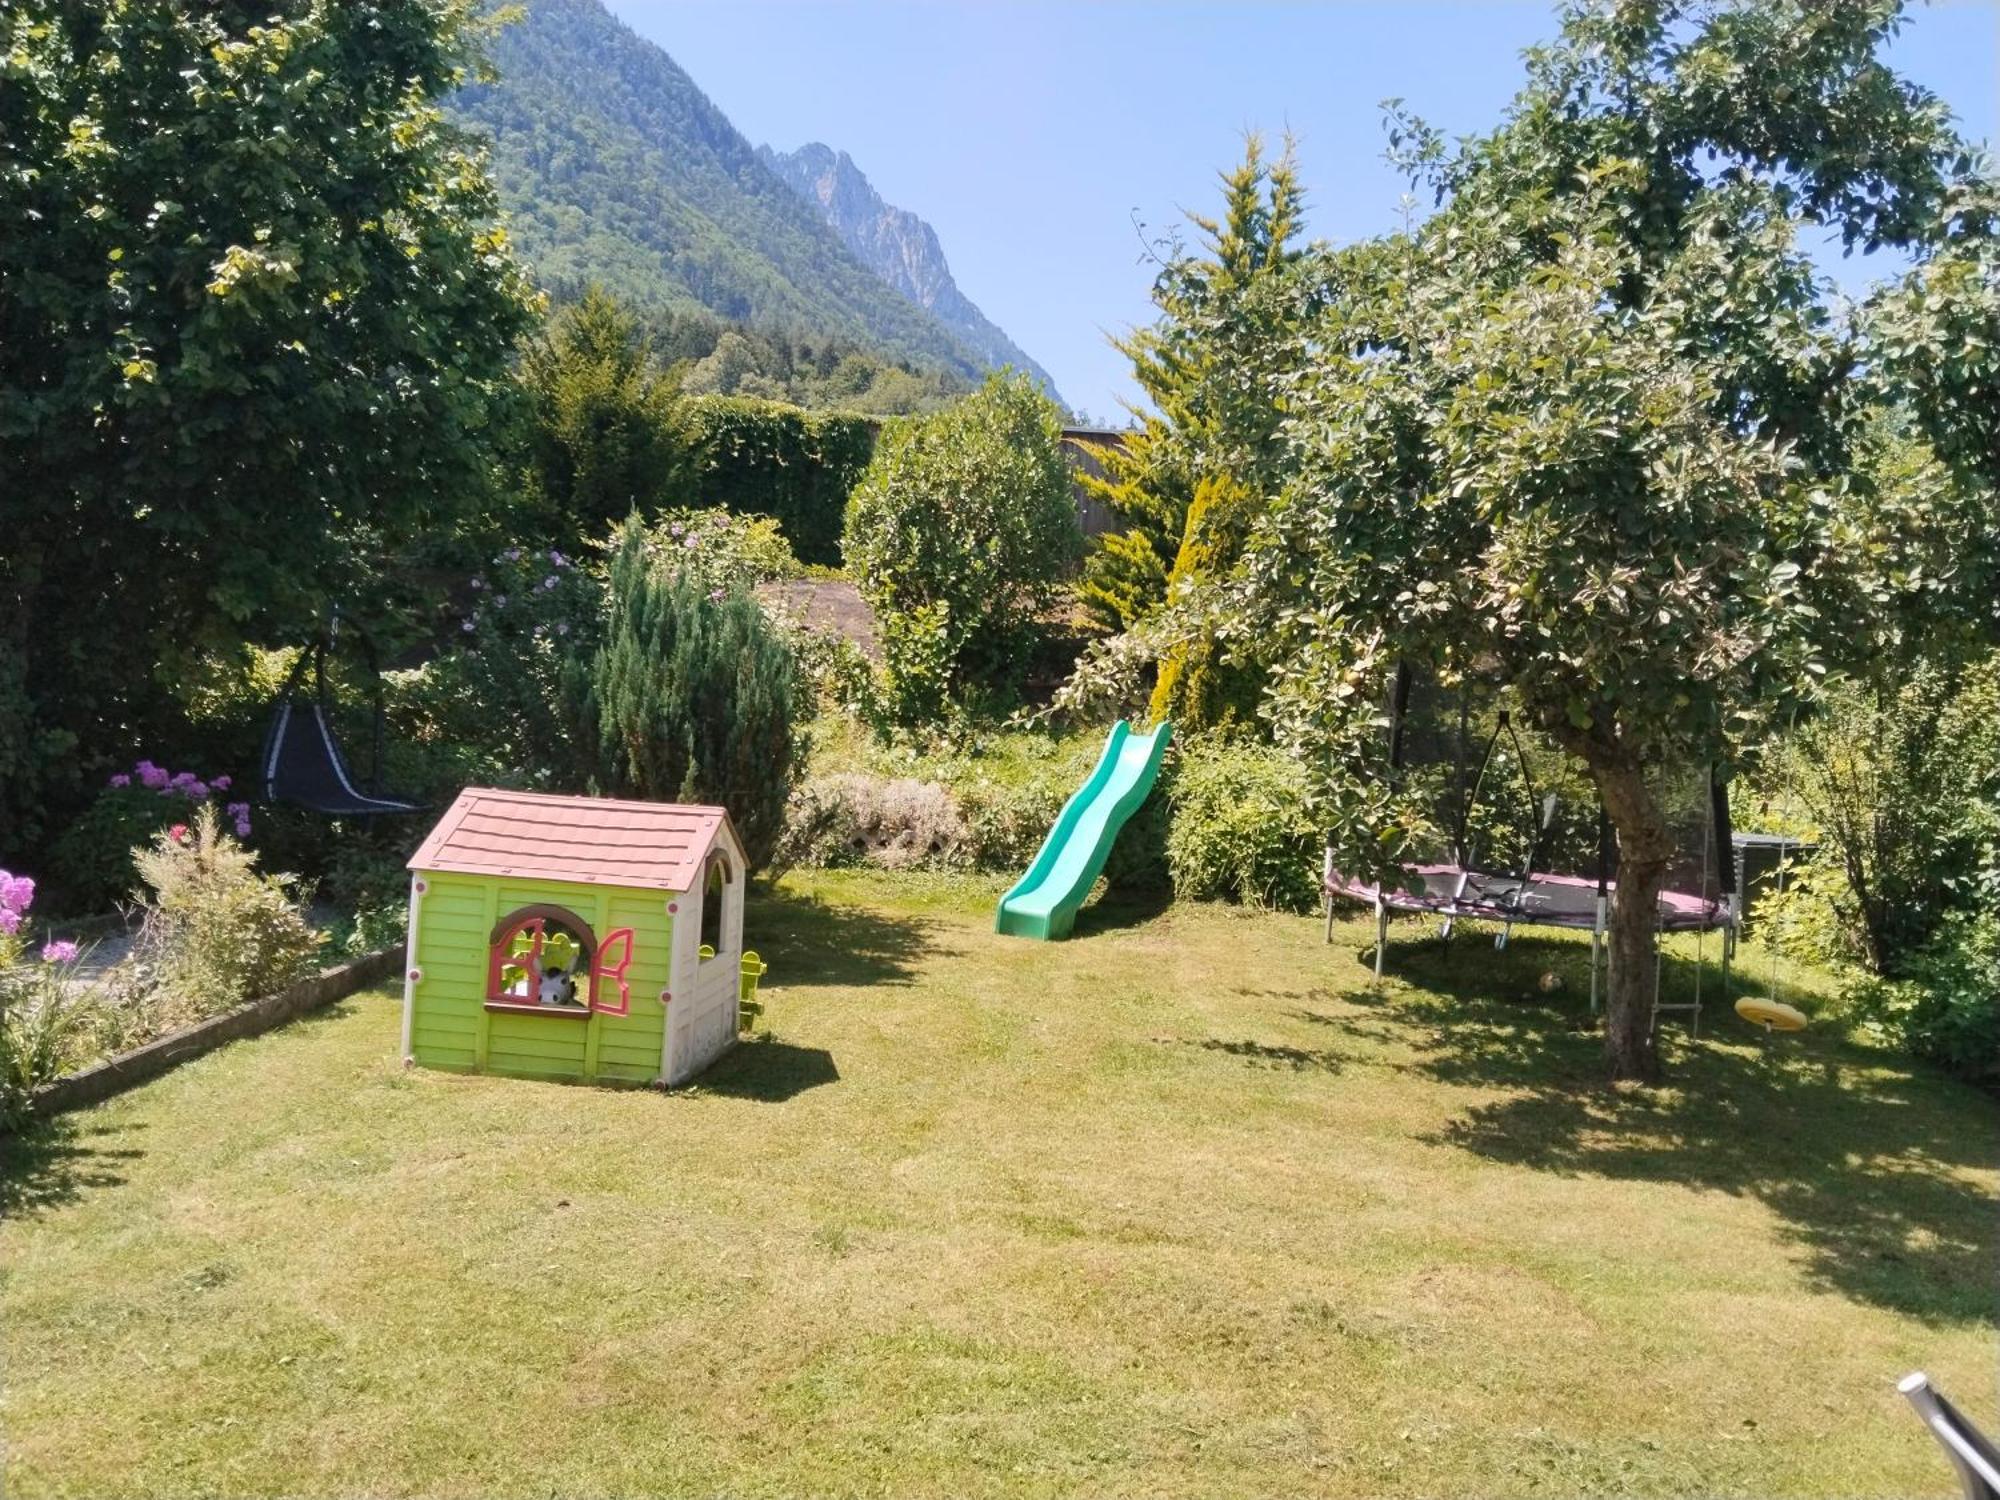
(1539, 899)
(1469, 884)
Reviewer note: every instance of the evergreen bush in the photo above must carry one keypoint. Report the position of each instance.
(690, 697)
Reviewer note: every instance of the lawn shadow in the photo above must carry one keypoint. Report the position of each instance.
(1116, 909)
(810, 941)
(1866, 1159)
(769, 1071)
(49, 1163)
(1278, 1055)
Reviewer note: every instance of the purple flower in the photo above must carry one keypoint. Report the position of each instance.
(10, 921)
(549, 582)
(562, 627)
(466, 626)
(183, 779)
(121, 779)
(238, 810)
(220, 783)
(676, 529)
(479, 583)
(512, 554)
(716, 595)
(243, 828)
(690, 542)
(500, 600)
(197, 790)
(153, 777)
(61, 951)
(17, 894)
(558, 559)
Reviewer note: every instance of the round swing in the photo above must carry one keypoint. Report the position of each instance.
(1772, 1015)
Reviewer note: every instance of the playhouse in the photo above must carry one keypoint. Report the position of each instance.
(575, 938)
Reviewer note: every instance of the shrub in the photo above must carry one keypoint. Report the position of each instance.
(959, 533)
(531, 613)
(1239, 827)
(761, 458)
(1947, 1007)
(718, 549)
(849, 818)
(215, 931)
(1903, 784)
(369, 886)
(690, 698)
(92, 860)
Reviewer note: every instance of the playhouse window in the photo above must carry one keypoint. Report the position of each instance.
(541, 958)
(714, 892)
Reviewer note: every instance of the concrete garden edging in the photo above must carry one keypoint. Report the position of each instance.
(163, 1054)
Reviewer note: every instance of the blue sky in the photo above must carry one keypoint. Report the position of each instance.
(1031, 135)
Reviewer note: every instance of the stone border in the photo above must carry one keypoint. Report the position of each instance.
(113, 1076)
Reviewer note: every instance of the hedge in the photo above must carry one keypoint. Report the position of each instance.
(764, 458)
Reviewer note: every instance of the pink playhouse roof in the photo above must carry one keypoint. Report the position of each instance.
(591, 840)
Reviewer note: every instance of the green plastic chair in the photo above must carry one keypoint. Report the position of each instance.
(749, 1009)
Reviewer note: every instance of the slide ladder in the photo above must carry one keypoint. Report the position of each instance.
(1043, 903)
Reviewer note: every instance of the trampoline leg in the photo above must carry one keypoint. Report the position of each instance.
(1596, 953)
(1506, 931)
(1329, 919)
(1381, 936)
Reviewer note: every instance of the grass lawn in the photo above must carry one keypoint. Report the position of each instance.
(1178, 1207)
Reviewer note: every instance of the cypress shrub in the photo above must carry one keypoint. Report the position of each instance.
(692, 696)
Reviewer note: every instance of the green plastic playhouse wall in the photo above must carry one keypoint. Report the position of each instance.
(450, 1026)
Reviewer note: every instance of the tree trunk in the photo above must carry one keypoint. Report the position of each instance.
(1645, 848)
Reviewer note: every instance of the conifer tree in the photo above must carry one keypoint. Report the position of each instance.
(1209, 365)
(605, 435)
(691, 698)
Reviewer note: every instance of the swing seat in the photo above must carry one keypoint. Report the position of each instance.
(303, 765)
(1772, 1015)
(302, 762)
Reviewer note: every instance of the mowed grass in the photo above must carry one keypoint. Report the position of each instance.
(1177, 1208)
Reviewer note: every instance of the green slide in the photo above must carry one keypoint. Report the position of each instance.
(1043, 902)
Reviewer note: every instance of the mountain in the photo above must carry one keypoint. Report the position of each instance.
(897, 246)
(613, 167)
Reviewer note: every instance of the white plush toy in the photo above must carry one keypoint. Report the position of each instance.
(558, 987)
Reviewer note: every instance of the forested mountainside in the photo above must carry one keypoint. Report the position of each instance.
(613, 167)
(898, 246)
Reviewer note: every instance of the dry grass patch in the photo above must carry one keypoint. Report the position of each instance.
(1179, 1207)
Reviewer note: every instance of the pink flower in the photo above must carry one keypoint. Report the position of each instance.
(121, 779)
(178, 833)
(220, 783)
(10, 921)
(17, 893)
(59, 952)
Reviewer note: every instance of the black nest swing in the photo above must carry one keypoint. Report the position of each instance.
(302, 761)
